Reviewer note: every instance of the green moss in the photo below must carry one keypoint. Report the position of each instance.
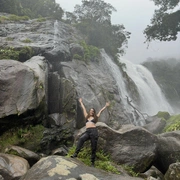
(3, 18)
(28, 137)
(77, 56)
(9, 39)
(17, 18)
(173, 124)
(26, 41)
(41, 19)
(102, 159)
(164, 115)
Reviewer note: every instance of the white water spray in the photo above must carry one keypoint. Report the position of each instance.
(55, 33)
(152, 98)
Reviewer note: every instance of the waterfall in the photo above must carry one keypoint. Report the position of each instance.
(152, 99)
(116, 73)
(56, 31)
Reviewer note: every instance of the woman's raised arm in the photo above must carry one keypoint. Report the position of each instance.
(106, 105)
(83, 107)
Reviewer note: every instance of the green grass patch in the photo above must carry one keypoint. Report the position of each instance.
(27, 137)
(102, 159)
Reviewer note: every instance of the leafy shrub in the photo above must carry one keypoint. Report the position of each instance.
(21, 54)
(173, 123)
(90, 52)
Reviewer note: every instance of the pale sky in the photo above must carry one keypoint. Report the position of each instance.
(135, 15)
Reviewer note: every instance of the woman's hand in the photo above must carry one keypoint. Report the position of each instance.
(80, 100)
(107, 104)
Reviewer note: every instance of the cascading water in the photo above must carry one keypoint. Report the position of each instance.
(55, 33)
(152, 99)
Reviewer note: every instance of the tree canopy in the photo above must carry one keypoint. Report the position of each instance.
(32, 8)
(93, 19)
(165, 23)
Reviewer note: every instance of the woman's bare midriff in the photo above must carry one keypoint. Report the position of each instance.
(90, 125)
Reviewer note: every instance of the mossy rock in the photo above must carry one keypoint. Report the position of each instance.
(164, 115)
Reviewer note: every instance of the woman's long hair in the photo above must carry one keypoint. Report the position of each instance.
(95, 116)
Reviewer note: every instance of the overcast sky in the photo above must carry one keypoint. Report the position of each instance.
(135, 15)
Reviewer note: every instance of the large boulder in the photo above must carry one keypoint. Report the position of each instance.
(57, 167)
(132, 146)
(23, 87)
(12, 167)
(30, 156)
(173, 172)
(168, 145)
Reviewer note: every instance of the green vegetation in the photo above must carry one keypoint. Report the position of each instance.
(102, 160)
(163, 115)
(21, 54)
(93, 19)
(27, 137)
(26, 41)
(173, 124)
(165, 22)
(33, 8)
(130, 171)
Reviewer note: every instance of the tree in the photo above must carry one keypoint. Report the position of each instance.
(32, 8)
(165, 23)
(93, 19)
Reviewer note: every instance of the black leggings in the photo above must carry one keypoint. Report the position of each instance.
(92, 134)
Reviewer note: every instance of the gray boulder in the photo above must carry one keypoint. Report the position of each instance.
(64, 168)
(132, 146)
(168, 145)
(173, 172)
(12, 167)
(23, 87)
(30, 156)
(156, 125)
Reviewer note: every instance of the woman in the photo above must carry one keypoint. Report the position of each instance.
(91, 131)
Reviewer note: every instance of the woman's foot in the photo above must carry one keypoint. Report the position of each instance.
(74, 155)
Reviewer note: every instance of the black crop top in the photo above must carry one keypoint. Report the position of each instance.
(93, 121)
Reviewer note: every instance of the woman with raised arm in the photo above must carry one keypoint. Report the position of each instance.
(91, 132)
